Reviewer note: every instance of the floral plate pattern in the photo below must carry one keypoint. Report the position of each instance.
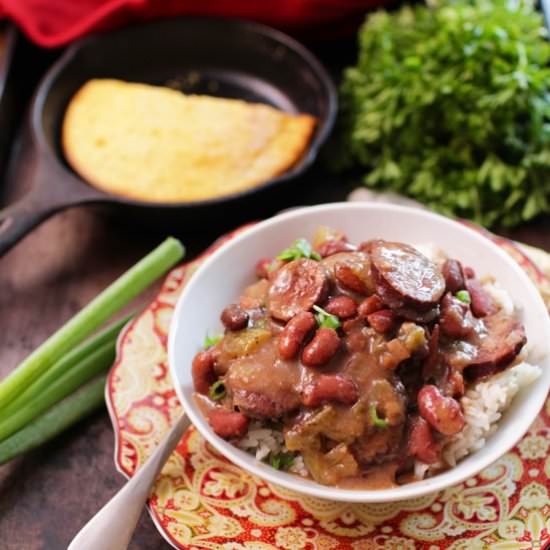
(202, 501)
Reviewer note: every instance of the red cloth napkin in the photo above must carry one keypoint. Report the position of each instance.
(52, 23)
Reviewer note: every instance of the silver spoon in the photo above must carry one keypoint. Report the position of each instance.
(113, 526)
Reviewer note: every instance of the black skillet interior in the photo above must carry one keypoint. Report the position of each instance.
(228, 58)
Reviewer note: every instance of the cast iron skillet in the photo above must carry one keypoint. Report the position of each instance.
(214, 56)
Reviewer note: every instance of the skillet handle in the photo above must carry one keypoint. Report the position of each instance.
(19, 218)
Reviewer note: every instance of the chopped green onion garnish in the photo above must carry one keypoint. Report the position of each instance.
(281, 461)
(210, 341)
(325, 319)
(464, 296)
(217, 390)
(376, 420)
(315, 256)
(275, 461)
(300, 249)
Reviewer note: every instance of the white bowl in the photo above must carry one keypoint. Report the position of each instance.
(220, 279)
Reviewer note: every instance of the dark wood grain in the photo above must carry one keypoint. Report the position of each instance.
(46, 496)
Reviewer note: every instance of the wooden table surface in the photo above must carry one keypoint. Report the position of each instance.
(46, 496)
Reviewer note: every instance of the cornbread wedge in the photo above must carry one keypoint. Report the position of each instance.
(156, 144)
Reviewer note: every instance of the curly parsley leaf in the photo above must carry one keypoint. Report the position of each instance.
(450, 105)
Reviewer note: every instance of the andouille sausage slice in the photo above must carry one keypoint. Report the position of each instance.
(228, 424)
(404, 276)
(297, 286)
(351, 271)
(261, 405)
(418, 315)
(410, 312)
(501, 344)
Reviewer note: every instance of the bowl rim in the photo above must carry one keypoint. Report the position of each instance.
(403, 492)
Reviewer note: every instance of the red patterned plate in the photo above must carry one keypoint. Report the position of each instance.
(203, 501)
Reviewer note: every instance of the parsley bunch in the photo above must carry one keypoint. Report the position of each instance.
(450, 105)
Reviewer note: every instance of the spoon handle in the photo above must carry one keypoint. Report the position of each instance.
(113, 526)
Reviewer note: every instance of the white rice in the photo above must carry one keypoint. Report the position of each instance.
(500, 296)
(260, 441)
(298, 467)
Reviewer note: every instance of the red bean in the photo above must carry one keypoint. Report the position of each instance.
(356, 335)
(333, 246)
(322, 347)
(469, 273)
(503, 339)
(228, 424)
(382, 321)
(421, 442)
(262, 268)
(352, 325)
(202, 370)
(370, 305)
(294, 333)
(342, 306)
(234, 318)
(442, 413)
(454, 275)
(330, 387)
(482, 303)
